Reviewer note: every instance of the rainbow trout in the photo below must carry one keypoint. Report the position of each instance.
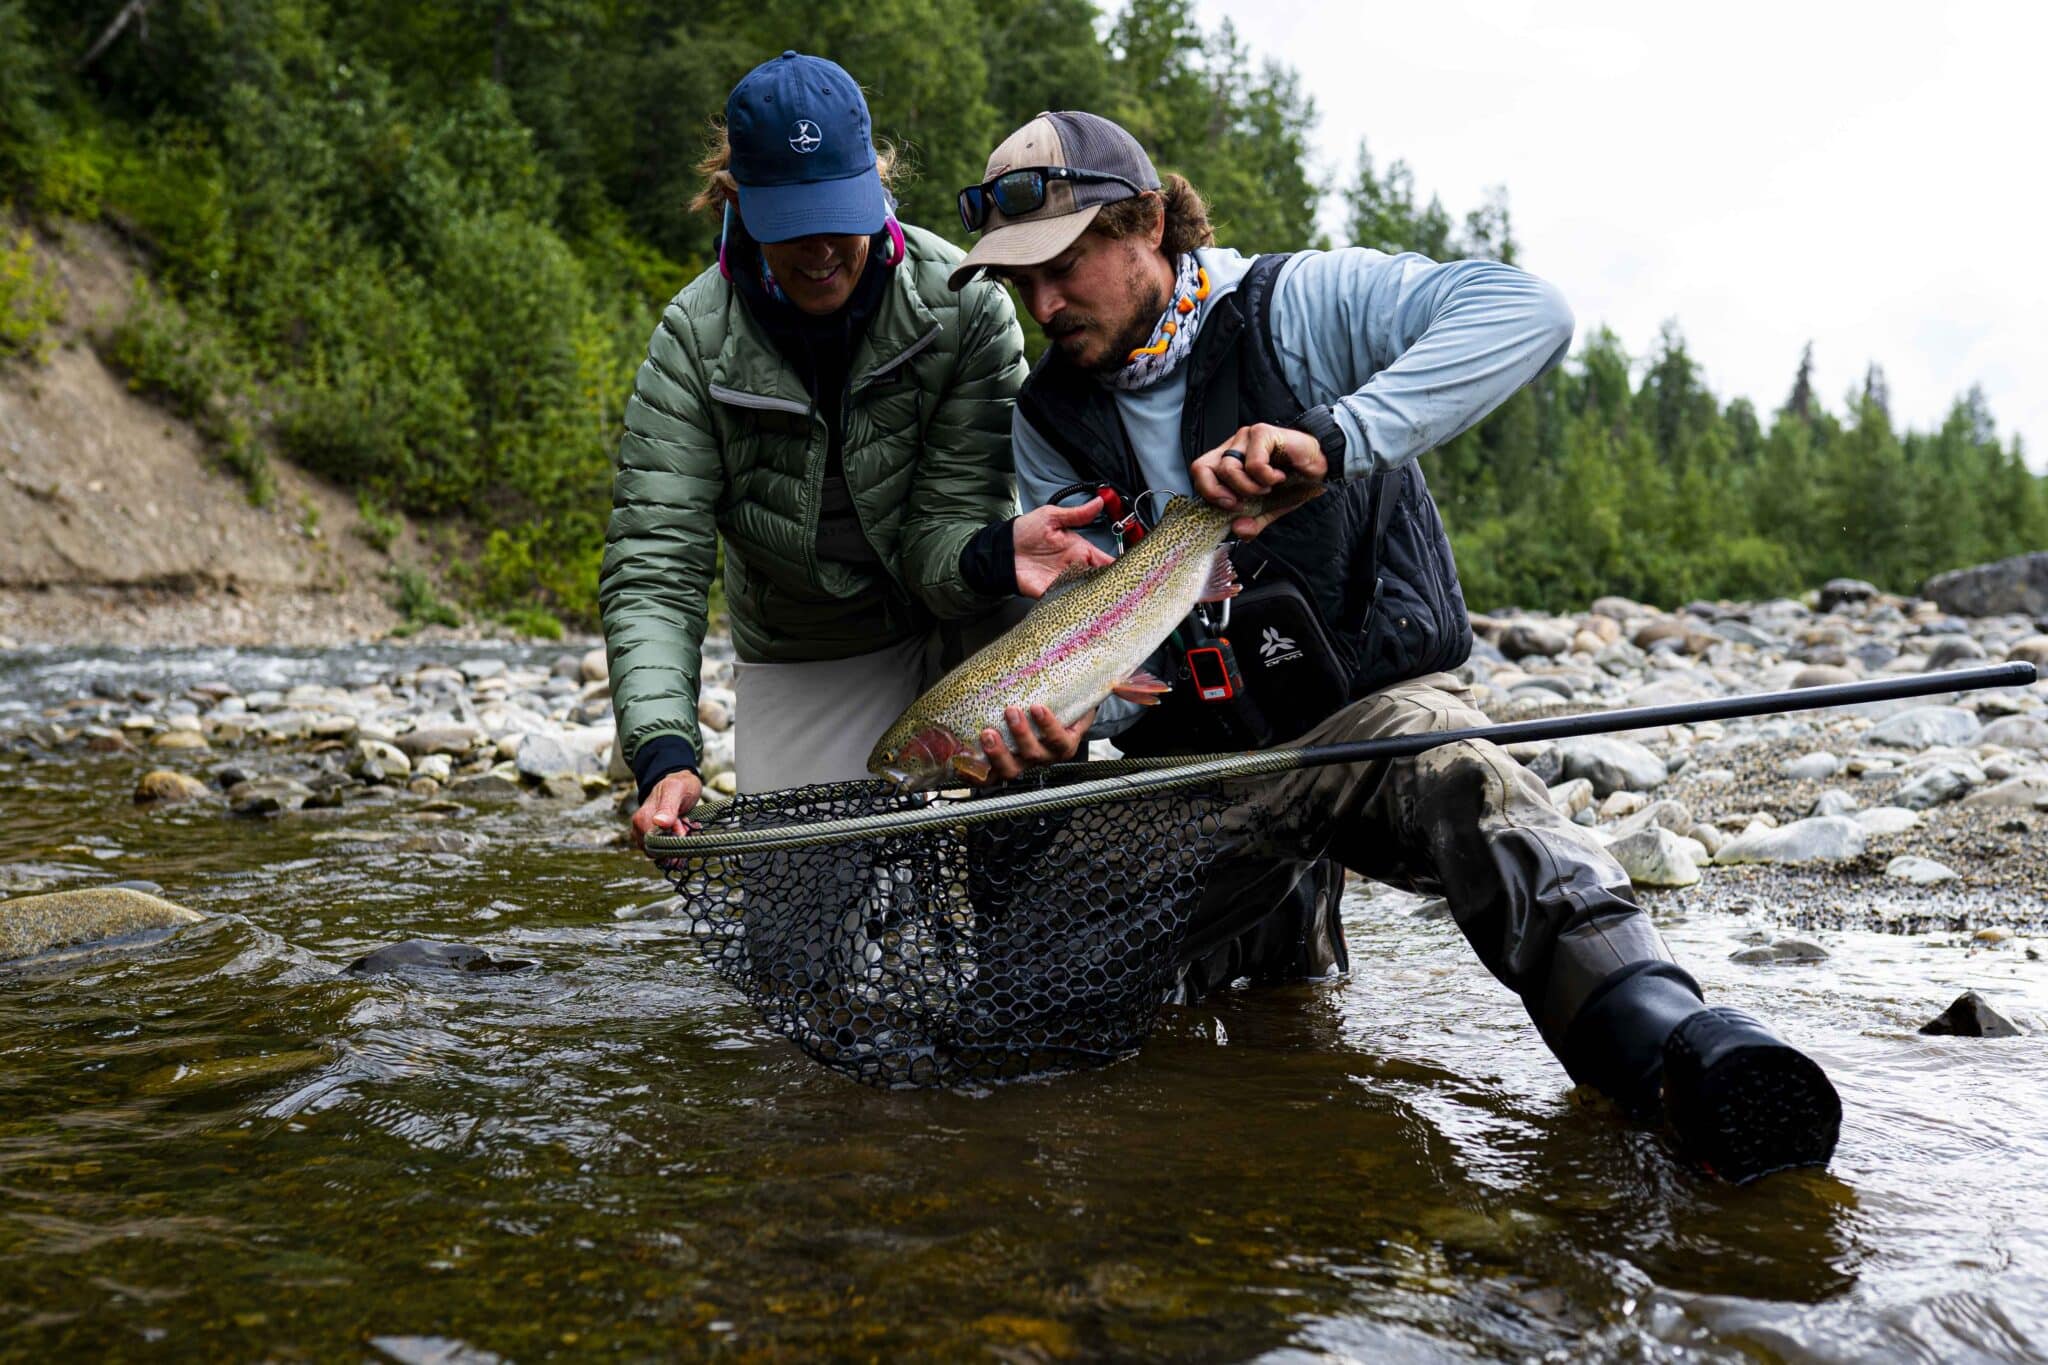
(1086, 639)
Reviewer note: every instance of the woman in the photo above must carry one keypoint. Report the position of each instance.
(823, 402)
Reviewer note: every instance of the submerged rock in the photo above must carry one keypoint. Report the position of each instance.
(58, 919)
(168, 787)
(425, 953)
(1972, 1016)
(180, 1077)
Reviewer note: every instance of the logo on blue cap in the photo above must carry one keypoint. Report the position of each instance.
(803, 151)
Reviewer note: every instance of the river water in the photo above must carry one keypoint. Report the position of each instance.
(217, 1147)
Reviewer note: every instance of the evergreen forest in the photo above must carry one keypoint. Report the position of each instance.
(418, 248)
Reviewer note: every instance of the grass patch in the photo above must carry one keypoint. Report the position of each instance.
(31, 299)
(414, 598)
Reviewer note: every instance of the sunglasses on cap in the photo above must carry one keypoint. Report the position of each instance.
(1015, 193)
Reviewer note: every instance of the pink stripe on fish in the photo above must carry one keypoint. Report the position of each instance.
(1125, 607)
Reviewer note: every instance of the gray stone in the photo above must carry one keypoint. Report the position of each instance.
(454, 740)
(1834, 802)
(1824, 838)
(267, 796)
(2027, 791)
(1972, 1016)
(1612, 764)
(2016, 586)
(1837, 592)
(376, 761)
(1919, 871)
(1941, 783)
(476, 670)
(594, 666)
(1782, 950)
(1823, 675)
(1656, 857)
(1669, 815)
(2032, 650)
(437, 767)
(1736, 632)
(711, 714)
(59, 919)
(1884, 820)
(488, 784)
(1955, 649)
(1572, 797)
(543, 756)
(1923, 727)
(1521, 639)
(1813, 767)
(2016, 732)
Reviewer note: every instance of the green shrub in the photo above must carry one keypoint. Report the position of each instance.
(416, 600)
(31, 299)
(532, 621)
(377, 528)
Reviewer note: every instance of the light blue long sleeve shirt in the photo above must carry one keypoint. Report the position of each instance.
(1406, 352)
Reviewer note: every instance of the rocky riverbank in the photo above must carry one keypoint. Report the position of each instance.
(1913, 816)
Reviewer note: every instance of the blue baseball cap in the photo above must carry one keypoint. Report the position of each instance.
(803, 151)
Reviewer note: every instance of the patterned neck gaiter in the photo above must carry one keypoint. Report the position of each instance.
(1174, 338)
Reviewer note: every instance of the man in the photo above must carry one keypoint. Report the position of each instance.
(1313, 382)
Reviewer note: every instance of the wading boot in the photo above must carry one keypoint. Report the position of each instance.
(1740, 1101)
(1743, 1102)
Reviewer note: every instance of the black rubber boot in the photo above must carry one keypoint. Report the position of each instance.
(1743, 1102)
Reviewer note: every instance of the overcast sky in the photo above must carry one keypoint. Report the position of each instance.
(1869, 177)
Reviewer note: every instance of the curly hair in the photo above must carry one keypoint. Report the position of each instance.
(1187, 216)
(720, 189)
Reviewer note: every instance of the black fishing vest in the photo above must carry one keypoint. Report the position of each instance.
(1370, 555)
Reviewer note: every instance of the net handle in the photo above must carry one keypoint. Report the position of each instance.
(944, 814)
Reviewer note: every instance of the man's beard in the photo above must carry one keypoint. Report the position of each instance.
(1137, 329)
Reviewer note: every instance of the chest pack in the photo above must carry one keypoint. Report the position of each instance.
(1352, 592)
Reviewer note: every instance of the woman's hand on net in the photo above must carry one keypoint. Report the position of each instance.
(1048, 543)
(674, 797)
(1036, 740)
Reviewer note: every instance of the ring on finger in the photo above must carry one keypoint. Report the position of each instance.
(1237, 455)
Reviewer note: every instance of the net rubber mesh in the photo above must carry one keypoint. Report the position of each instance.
(961, 954)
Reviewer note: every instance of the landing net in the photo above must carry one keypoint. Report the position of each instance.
(981, 942)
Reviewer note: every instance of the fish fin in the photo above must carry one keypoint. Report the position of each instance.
(1070, 578)
(972, 768)
(1222, 583)
(1142, 688)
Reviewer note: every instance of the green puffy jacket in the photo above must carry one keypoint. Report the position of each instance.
(722, 440)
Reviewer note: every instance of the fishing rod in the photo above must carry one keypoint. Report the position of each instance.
(1196, 771)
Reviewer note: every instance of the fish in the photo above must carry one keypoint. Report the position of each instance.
(1086, 639)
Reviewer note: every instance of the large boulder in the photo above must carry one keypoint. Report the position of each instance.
(58, 919)
(2016, 586)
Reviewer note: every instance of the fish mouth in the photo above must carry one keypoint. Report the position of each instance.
(899, 778)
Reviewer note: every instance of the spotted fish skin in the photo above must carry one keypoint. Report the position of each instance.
(1089, 635)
